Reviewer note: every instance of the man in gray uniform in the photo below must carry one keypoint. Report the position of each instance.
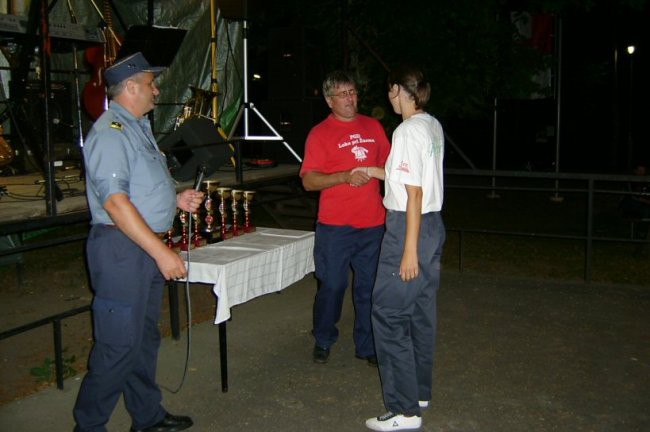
(133, 200)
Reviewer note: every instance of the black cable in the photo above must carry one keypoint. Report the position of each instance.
(200, 174)
(188, 310)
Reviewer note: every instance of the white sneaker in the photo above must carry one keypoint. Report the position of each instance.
(393, 422)
(423, 404)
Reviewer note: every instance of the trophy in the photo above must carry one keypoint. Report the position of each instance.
(197, 239)
(224, 194)
(183, 243)
(236, 197)
(248, 199)
(170, 237)
(209, 232)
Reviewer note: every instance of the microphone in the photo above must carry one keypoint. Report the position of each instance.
(200, 173)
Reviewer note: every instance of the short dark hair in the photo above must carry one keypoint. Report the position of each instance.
(412, 80)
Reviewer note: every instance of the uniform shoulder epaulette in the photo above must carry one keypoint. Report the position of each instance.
(116, 125)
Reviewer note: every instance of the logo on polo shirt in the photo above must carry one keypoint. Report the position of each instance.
(403, 166)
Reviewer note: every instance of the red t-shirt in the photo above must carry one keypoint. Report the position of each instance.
(334, 145)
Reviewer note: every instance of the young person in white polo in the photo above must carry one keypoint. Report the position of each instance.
(408, 276)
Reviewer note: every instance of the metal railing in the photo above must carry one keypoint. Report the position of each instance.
(55, 320)
(616, 187)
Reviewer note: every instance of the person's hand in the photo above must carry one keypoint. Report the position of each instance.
(359, 176)
(189, 200)
(408, 268)
(171, 265)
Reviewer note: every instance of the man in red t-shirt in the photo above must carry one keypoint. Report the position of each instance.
(350, 215)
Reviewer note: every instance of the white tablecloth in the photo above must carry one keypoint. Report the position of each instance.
(248, 266)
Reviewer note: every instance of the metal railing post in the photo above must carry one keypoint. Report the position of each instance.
(590, 229)
(460, 251)
(58, 353)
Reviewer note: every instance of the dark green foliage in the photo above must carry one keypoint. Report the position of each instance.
(47, 372)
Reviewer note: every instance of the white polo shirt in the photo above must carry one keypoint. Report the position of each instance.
(416, 159)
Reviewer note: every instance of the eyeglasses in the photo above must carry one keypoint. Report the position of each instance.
(345, 93)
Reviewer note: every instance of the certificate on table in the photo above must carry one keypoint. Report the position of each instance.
(251, 265)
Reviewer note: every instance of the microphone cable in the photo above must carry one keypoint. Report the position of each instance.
(188, 302)
(188, 311)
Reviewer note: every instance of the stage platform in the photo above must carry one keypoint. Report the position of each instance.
(22, 197)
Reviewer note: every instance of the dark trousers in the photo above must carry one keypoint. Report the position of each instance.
(126, 310)
(336, 250)
(404, 314)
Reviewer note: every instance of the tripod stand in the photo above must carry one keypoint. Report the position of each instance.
(246, 106)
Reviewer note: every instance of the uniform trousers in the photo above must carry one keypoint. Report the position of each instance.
(404, 314)
(336, 250)
(126, 309)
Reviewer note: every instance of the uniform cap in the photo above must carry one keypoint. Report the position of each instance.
(127, 67)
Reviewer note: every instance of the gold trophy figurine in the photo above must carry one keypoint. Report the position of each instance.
(224, 194)
(170, 237)
(248, 200)
(236, 197)
(197, 238)
(183, 243)
(209, 233)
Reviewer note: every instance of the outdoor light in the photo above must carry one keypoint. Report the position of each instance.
(630, 49)
(257, 77)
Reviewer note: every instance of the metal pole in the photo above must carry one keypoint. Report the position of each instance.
(75, 66)
(493, 193)
(223, 355)
(51, 193)
(58, 353)
(214, 86)
(460, 251)
(590, 228)
(245, 37)
(616, 114)
(558, 111)
(630, 113)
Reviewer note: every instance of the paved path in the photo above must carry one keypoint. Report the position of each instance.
(514, 355)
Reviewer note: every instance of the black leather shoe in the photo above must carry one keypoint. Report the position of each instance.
(371, 359)
(170, 423)
(321, 355)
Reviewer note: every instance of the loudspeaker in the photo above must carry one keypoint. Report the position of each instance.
(195, 142)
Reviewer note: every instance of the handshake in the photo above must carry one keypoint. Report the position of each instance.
(361, 175)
